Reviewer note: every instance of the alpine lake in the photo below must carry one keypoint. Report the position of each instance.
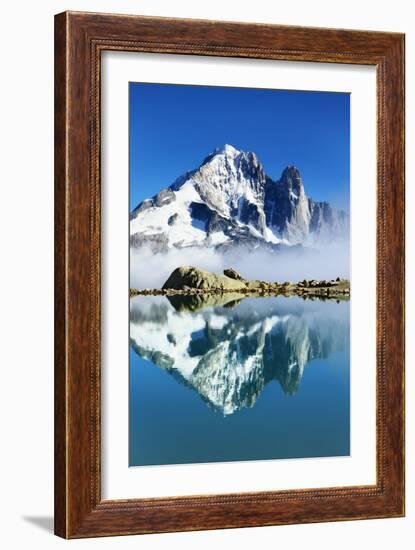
(226, 377)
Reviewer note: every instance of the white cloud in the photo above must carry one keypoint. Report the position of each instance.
(149, 270)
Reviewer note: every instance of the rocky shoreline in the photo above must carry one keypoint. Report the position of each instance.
(189, 280)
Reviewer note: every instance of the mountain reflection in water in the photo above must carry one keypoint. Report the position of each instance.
(228, 347)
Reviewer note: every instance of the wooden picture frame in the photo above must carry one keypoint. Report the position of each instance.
(79, 40)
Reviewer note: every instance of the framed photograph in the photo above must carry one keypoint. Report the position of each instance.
(229, 275)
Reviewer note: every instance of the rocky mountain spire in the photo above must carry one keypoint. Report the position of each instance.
(291, 180)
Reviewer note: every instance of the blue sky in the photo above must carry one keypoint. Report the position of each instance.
(174, 127)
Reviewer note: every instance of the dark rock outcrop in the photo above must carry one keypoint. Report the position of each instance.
(233, 274)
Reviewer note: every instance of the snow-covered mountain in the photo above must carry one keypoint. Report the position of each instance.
(228, 353)
(229, 201)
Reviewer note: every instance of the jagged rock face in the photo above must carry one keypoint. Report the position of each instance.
(164, 197)
(287, 208)
(157, 242)
(229, 354)
(297, 218)
(231, 183)
(325, 219)
(229, 201)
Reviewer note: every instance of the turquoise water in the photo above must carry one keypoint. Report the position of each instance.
(221, 379)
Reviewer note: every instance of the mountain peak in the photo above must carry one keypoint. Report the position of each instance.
(291, 172)
(291, 180)
(227, 149)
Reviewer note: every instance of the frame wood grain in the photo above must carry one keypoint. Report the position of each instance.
(79, 40)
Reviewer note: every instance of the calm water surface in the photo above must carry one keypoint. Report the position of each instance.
(220, 379)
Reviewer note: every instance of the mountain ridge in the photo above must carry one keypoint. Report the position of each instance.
(230, 201)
